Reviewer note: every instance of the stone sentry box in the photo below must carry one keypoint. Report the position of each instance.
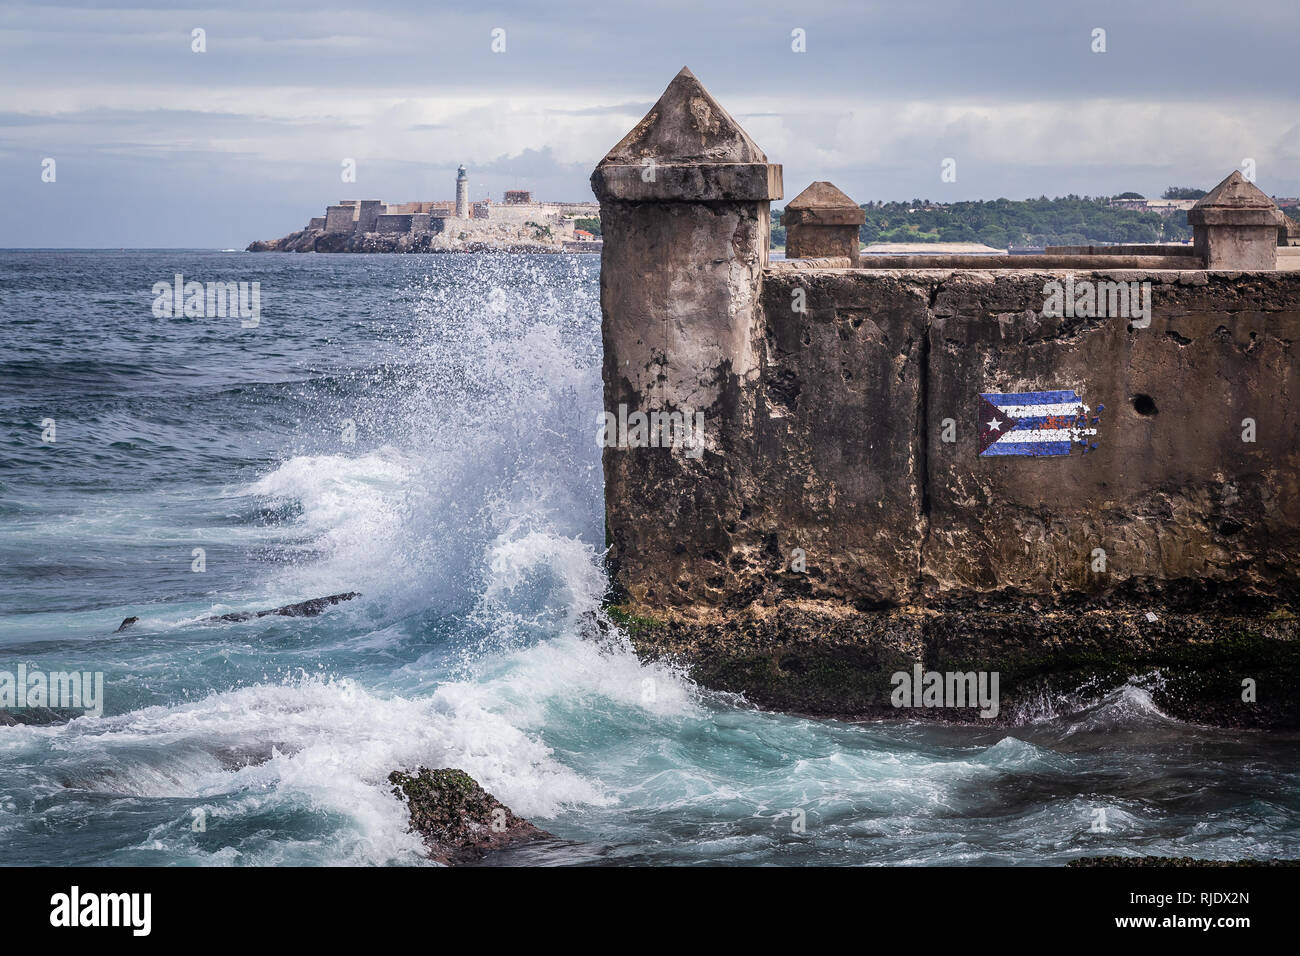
(1235, 226)
(822, 222)
(842, 522)
(685, 220)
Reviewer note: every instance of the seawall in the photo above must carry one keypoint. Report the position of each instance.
(852, 506)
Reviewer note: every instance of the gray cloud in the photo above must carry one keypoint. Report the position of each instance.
(248, 137)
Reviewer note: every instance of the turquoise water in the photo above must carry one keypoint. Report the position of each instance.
(422, 430)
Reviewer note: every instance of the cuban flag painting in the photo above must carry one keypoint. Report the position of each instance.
(1040, 424)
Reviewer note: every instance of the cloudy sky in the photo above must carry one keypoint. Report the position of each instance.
(159, 146)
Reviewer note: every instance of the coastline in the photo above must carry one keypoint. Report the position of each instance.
(317, 240)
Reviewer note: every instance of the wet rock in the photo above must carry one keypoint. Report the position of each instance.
(37, 716)
(302, 609)
(458, 819)
(824, 659)
(309, 608)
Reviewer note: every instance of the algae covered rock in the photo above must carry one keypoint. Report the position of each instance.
(458, 819)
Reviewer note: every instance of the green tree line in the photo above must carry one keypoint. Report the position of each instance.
(1064, 221)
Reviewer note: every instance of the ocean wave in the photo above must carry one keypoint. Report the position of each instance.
(320, 743)
(1098, 706)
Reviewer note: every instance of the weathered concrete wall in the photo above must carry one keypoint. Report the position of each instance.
(1181, 505)
(840, 521)
(1172, 494)
(847, 460)
(838, 457)
(838, 538)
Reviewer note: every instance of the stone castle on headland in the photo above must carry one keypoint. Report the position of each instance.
(518, 224)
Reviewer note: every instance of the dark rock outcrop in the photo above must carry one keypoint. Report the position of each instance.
(309, 608)
(827, 659)
(301, 609)
(458, 819)
(37, 716)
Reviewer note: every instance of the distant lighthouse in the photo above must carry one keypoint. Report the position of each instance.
(462, 193)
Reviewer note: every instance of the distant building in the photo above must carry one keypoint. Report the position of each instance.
(931, 249)
(462, 193)
(1289, 232)
(482, 219)
(1165, 207)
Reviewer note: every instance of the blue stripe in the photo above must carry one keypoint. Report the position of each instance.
(1029, 398)
(1037, 449)
(1040, 421)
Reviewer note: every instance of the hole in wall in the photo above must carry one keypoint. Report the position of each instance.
(1144, 405)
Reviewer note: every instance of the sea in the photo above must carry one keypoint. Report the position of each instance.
(422, 430)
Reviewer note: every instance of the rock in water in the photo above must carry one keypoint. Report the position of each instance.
(301, 609)
(458, 819)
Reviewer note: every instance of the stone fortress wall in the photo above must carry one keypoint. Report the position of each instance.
(855, 509)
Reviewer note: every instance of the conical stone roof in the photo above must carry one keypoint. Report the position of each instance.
(1235, 192)
(1235, 201)
(686, 125)
(687, 148)
(823, 204)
